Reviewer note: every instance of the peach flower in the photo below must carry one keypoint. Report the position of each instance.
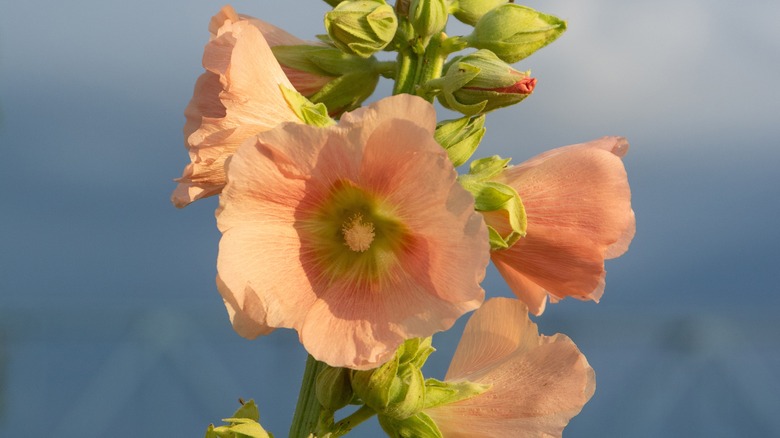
(357, 235)
(578, 205)
(304, 82)
(237, 97)
(538, 383)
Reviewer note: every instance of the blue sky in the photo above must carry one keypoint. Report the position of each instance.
(101, 277)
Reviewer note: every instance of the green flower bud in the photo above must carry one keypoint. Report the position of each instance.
(513, 32)
(481, 82)
(417, 426)
(361, 27)
(470, 11)
(397, 388)
(333, 388)
(428, 17)
(460, 137)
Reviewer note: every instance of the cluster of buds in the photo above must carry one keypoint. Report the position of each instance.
(342, 72)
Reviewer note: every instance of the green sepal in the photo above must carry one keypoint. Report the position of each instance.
(452, 81)
(488, 167)
(460, 137)
(470, 11)
(439, 393)
(415, 351)
(243, 424)
(346, 92)
(407, 393)
(419, 425)
(494, 196)
(322, 60)
(309, 113)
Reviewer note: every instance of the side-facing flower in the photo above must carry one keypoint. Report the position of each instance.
(356, 232)
(538, 383)
(238, 97)
(578, 207)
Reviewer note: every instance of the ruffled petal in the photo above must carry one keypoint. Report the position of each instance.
(538, 383)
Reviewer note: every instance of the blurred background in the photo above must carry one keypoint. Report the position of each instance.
(110, 322)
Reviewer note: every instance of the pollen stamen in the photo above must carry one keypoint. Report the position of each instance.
(358, 235)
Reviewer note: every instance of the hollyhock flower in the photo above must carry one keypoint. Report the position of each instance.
(356, 235)
(306, 83)
(237, 97)
(578, 206)
(538, 383)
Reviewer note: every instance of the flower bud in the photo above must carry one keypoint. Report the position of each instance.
(333, 387)
(428, 17)
(513, 32)
(361, 27)
(460, 137)
(397, 388)
(480, 82)
(470, 11)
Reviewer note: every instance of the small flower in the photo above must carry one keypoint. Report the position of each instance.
(355, 235)
(237, 97)
(538, 383)
(578, 207)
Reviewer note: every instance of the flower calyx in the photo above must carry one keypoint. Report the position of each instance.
(348, 79)
(308, 112)
(494, 198)
(470, 11)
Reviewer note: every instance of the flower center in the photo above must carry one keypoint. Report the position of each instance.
(358, 235)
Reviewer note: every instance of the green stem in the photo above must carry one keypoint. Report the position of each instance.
(407, 67)
(432, 64)
(387, 69)
(344, 426)
(307, 411)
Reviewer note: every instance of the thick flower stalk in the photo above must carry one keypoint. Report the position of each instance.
(357, 233)
(578, 208)
(237, 97)
(537, 383)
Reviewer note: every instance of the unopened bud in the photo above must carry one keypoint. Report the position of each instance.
(333, 388)
(513, 32)
(428, 17)
(361, 27)
(481, 82)
(470, 11)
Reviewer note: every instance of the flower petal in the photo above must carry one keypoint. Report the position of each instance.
(538, 383)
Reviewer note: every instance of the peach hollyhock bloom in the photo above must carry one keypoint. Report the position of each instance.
(578, 204)
(304, 82)
(357, 235)
(237, 97)
(538, 383)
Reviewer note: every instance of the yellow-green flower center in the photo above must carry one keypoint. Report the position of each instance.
(354, 235)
